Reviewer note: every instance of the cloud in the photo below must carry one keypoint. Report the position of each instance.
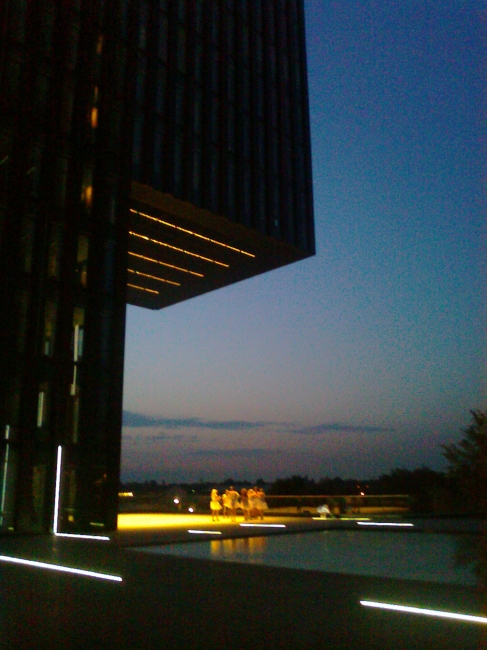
(242, 453)
(321, 429)
(133, 420)
(157, 437)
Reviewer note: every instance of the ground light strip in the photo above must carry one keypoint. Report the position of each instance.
(380, 523)
(56, 505)
(425, 612)
(57, 567)
(264, 525)
(205, 532)
(80, 536)
(5, 473)
(58, 488)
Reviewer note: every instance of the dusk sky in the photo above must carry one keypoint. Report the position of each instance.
(369, 355)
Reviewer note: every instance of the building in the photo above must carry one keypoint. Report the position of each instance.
(150, 151)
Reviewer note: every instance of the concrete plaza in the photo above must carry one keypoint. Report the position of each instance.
(134, 599)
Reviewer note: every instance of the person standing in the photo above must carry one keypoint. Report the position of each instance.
(261, 502)
(252, 497)
(233, 502)
(215, 505)
(244, 503)
(226, 503)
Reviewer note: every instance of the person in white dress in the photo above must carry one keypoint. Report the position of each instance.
(215, 505)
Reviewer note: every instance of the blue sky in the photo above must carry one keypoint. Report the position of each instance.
(369, 355)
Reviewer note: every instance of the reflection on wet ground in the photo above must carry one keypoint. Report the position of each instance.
(432, 557)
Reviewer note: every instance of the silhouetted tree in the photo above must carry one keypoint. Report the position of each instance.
(468, 463)
(294, 485)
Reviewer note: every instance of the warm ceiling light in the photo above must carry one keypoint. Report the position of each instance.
(175, 248)
(134, 286)
(170, 266)
(153, 277)
(190, 232)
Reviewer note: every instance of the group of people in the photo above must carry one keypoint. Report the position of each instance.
(252, 502)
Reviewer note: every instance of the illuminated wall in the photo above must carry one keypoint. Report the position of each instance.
(150, 152)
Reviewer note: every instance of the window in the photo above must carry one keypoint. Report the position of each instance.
(143, 20)
(181, 49)
(197, 108)
(54, 253)
(27, 244)
(158, 152)
(22, 310)
(198, 61)
(160, 88)
(78, 333)
(87, 188)
(109, 266)
(82, 259)
(162, 38)
(41, 405)
(138, 139)
(140, 79)
(50, 318)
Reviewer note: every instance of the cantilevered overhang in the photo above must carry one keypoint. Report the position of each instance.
(178, 251)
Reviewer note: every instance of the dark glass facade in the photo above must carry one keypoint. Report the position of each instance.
(150, 151)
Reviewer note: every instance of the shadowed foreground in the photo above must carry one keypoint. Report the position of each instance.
(170, 602)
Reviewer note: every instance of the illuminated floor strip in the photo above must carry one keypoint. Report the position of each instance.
(80, 536)
(264, 525)
(341, 518)
(57, 489)
(425, 612)
(205, 532)
(62, 569)
(378, 523)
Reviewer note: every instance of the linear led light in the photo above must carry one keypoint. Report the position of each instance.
(57, 567)
(5, 473)
(205, 532)
(190, 232)
(425, 612)
(154, 277)
(57, 489)
(80, 536)
(175, 248)
(170, 266)
(134, 286)
(263, 525)
(342, 519)
(380, 523)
